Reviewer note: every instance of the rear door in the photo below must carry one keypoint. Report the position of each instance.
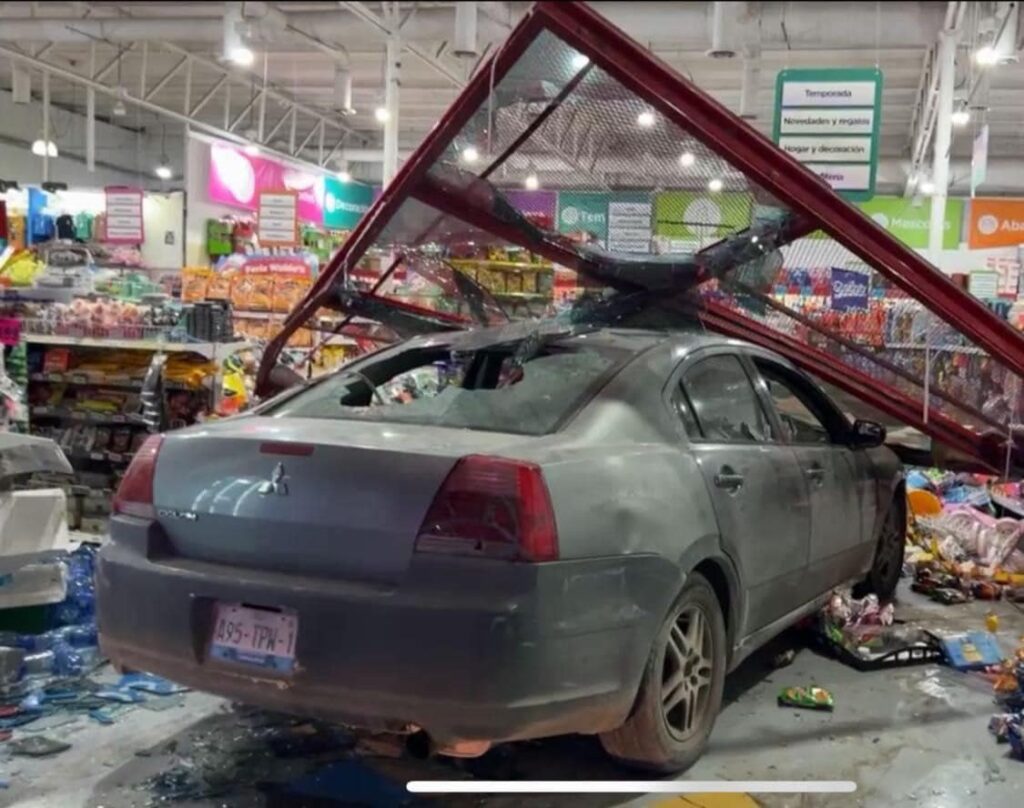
(755, 483)
(839, 480)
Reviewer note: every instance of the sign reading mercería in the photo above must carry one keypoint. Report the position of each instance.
(829, 120)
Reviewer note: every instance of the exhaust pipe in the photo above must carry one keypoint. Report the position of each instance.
(421, 746)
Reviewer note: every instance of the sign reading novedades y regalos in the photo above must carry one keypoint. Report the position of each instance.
(829, 121)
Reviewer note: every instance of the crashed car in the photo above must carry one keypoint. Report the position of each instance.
(501, 534)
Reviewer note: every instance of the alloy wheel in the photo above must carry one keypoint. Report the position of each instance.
(686, 674)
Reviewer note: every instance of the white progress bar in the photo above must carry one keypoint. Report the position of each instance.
(631, 786)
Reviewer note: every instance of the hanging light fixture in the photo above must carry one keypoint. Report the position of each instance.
(343, 90)
(46, 148)
(531, 183)
(960, 117)
(382, 114)
(470, 154)
(234, 49)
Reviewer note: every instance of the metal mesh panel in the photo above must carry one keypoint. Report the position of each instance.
(556, 121)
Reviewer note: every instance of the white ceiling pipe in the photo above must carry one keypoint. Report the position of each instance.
(681, 26)
(343, 90)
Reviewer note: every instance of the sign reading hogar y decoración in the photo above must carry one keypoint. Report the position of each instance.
(829, 121)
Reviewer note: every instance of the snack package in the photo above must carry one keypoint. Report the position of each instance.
(219, 287)
(194, 283)
(288, 292)
(56, 360)
(811, 698)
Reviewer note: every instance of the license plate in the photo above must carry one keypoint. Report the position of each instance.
(258, 637)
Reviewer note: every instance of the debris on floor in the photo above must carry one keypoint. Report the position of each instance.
(864, 634)
(810, 698)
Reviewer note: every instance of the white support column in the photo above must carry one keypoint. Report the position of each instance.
(392, 78)
(90, 115)
(943, 136)
(90, 130)
(46, 127)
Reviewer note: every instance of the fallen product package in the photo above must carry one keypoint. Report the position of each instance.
(862, 633)
(810, 698)
(972, 650)
(1009, 728)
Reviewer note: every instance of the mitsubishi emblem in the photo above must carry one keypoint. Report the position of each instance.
(277, 483)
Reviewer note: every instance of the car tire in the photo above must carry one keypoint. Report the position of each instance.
(681, 690)
(888, 562)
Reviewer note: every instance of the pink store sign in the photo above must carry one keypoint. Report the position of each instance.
(236, 179)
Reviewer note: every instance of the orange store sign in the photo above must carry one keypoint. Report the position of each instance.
(996, 223)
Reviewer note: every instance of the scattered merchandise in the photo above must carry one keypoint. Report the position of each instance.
(974, 650)
(811, 698)
(862, 633)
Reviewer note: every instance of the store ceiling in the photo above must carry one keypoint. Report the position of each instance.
(298, 45)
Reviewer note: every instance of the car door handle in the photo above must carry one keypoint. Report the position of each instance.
(815, 473)
(728, 479)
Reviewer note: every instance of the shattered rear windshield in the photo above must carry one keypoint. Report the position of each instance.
(527, 386)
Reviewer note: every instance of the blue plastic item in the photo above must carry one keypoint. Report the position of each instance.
(972, 651)
(149, 683)
(916, 479)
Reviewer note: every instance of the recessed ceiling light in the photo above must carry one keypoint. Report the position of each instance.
(715, 185)
(645, 119)
(470, 154)
(686, 159)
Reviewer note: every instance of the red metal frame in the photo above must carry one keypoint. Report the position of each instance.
(775, 171)
(725, 134)
(398, 190)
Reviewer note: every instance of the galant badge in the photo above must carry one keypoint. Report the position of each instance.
(277, 483)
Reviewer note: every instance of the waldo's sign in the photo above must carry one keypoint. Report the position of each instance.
(995, 223)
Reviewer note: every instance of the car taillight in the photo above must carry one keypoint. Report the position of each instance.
(493, 507)
(134, 495)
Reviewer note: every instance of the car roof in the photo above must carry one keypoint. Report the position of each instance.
(630, 339)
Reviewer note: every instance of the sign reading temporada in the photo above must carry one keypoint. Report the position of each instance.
(995, 223)
(829, 121)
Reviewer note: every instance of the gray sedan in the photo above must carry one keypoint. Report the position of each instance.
(502, 534)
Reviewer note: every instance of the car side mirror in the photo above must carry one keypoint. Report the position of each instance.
(866, 434)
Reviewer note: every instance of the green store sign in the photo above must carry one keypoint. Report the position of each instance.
(693, 219)
(345, 203)
(583, 212)
(910, 223)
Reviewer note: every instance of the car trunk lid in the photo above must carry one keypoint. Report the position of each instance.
(329, 498)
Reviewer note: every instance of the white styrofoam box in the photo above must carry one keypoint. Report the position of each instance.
(33, 585)
(32, 524)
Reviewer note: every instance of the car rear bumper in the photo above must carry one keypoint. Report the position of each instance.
(462, 648)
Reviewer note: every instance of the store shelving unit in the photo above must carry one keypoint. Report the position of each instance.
(98, 465)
